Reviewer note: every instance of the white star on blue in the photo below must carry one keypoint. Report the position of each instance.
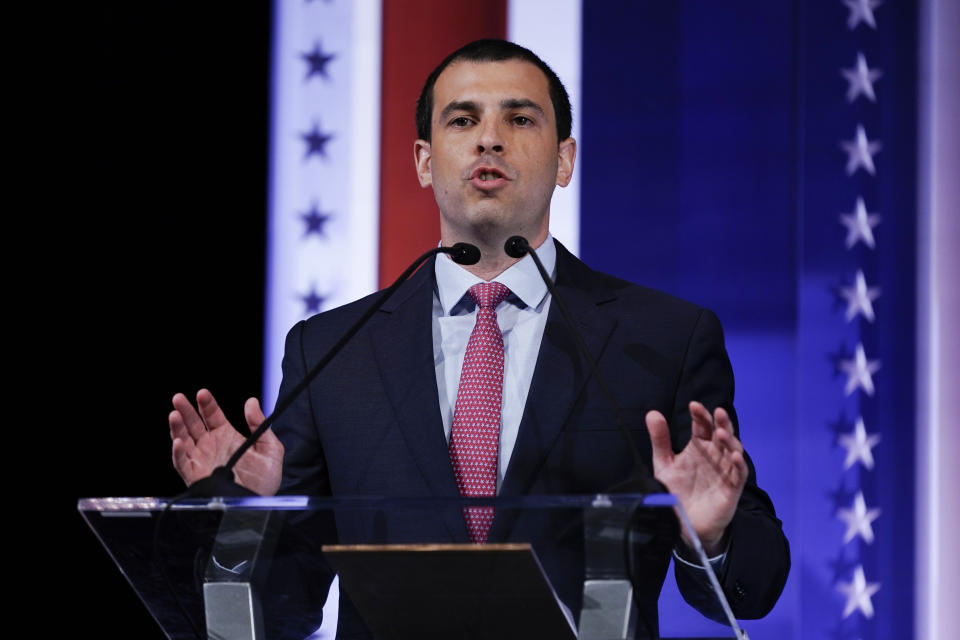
(860, 298)
(860, 80)
(859, 372)
(861, 11)
(860, 225)
(859, 519)
(860, 152)
(859, 445)
(858, 592)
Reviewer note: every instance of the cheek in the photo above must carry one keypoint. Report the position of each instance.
(540, 161)
(543, 173)
(443, 170)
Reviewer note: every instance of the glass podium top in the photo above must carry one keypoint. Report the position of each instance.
(203, 566)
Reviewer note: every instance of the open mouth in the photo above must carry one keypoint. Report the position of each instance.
(485, 174)
(487, 177)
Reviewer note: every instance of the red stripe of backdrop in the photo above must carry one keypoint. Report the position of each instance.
(417, 34)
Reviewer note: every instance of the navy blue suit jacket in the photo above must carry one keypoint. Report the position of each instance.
(370, 424)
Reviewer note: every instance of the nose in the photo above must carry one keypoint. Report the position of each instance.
(490, 137)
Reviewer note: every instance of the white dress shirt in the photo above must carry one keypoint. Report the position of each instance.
(522, 318)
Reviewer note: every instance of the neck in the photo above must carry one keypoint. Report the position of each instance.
(493, 259)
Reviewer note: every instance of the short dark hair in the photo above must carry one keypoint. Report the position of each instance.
(494, 50)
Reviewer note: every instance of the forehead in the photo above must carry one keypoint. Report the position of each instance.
(491, 82)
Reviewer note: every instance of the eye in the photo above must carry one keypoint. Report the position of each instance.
(522, 121)
(460, 121)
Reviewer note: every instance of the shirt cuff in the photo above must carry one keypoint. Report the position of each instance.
(716, 562)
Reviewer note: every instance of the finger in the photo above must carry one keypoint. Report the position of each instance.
(726, 441)
(721, 419)
(737, 474)
(723, 434)
(701, 421)
(659, 439)
(191, 419)
(177, 428)
(181, 459)
(727, 458)
(210, 411)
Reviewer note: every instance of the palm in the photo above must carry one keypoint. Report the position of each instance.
(203, 440)
(707, 476)
(210, 451)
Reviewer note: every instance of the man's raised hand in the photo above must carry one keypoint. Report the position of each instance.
(707, 477)
(203, 439)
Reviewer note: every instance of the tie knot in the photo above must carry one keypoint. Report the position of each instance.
(487, 295)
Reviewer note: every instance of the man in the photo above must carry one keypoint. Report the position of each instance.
(494, 140)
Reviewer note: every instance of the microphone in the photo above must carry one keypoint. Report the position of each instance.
(517, 247)
(221, 482)
(463, 253)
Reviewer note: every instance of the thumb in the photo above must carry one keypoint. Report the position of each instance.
(253, 413)
(254, 416)
(659, 439)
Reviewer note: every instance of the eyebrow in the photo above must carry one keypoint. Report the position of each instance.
(459, 105)
(472, 107)
(521, 103)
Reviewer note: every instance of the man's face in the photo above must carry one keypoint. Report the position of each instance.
(493, 160)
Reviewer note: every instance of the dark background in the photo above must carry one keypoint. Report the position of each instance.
(158, 115)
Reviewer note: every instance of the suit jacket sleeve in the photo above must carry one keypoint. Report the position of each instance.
(304, 464)
(758, 556)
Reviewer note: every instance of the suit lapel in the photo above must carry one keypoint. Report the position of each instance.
(403, 346)
(559, 377)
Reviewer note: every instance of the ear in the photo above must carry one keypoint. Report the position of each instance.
(566, 155)
(421, 158)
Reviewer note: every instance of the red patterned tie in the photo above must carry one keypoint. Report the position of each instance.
(475, 436)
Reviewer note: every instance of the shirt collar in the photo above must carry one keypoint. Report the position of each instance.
(522, 278)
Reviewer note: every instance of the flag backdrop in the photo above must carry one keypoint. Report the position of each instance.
(757, 158)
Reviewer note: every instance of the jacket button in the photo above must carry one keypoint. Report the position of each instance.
(738, 591)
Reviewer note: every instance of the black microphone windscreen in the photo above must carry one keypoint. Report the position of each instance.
(465, 253)
(516, 247)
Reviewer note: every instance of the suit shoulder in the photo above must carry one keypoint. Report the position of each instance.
(627, 296)
(327, 326)
(343, 315)
(320, 331)
(635, 299)
(640, 295)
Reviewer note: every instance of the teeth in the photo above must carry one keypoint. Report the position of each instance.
(487, 175)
